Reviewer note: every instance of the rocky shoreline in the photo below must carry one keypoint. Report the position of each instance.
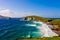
(54, 23)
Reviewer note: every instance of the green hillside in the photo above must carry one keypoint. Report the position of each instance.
(50, 38)
(37, 18)
(55, 22)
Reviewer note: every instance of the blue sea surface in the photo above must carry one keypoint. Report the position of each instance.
(11, 29)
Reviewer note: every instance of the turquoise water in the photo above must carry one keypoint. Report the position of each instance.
(12, 29)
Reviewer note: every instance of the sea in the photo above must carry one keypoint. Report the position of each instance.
(11, 29)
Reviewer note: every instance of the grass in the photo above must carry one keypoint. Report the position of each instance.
(50, 38)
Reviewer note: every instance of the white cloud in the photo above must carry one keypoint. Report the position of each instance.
(10, 13)
(6, 12)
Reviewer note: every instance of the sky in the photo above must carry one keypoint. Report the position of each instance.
(20, 8)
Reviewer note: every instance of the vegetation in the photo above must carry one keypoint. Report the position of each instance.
(55, 22)
(37, 18)
(50, 38)
(51, 21)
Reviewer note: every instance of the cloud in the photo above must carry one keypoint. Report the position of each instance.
(6, 12)
(10, 13)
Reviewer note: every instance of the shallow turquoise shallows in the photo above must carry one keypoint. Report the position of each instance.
(13, 29)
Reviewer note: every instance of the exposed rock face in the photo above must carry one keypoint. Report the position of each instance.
(31, 19)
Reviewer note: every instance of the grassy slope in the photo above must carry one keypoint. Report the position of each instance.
(54, 22)
(50, 38)
(37, 18)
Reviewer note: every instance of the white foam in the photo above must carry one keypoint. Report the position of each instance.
(46, 30)
(31, 25)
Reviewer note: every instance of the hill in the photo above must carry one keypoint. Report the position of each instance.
(55, 22)
(37, 18)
